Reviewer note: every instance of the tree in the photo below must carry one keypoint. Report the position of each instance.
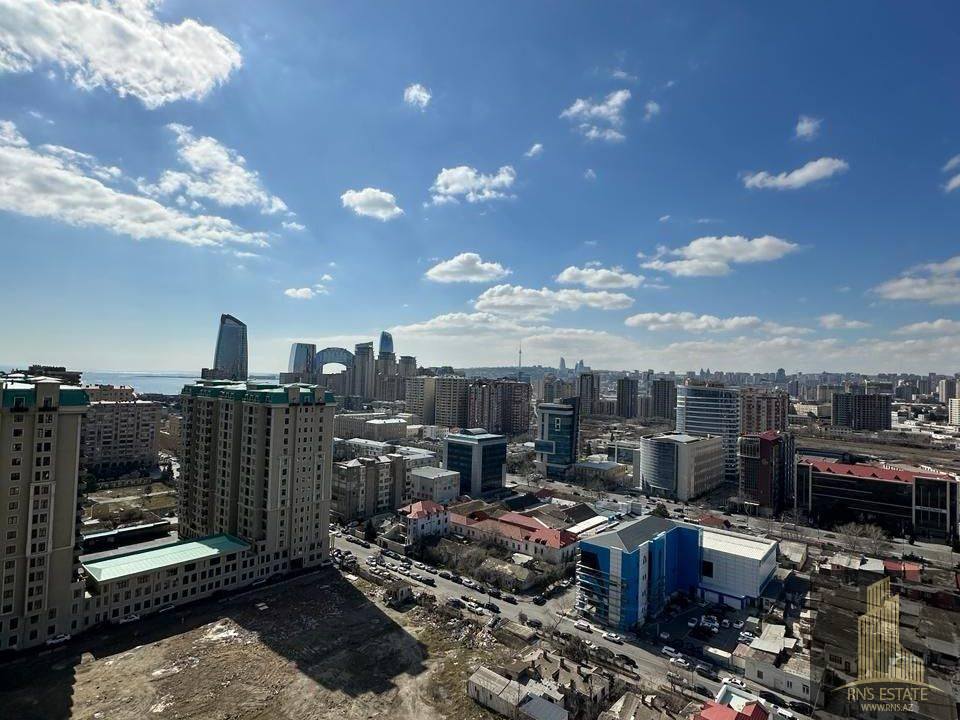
(369, 531)
(661, 511)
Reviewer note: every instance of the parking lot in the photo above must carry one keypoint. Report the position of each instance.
(683, 635)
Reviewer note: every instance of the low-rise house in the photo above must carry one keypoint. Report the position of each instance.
(423, 519)
(516, 532)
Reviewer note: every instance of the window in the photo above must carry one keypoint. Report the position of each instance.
(706, 569)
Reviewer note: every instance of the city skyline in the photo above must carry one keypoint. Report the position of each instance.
(667, 197)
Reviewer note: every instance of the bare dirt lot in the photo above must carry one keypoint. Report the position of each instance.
(317, 648)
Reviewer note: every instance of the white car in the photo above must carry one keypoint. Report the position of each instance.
(58, 639)
(692, 622)
(583, 625)
(734, 681)
(166, 608)
(664, 635)
(467, 582)
(738, 624)
(680, 662)
(613, 637)
(132, 617)
(747, 636)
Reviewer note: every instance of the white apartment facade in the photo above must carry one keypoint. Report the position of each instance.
(678, 465)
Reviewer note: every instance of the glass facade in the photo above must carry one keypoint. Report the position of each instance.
(492, 459)
(230, 356)
(559, 435)
(302, 358)
(460, 458)
(711, 410)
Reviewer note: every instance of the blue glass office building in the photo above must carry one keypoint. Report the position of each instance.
(558, 437)
(480, 458)
(230, 356)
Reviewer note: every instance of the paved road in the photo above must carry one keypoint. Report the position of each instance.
(651, 666)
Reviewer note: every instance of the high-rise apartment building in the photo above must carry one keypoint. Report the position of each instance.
(558, 436)
(762, 410)
(480, 458)
(302, 358)
(768, 469)
(368, 486)
(230, 354)
(407, 366)
(451, 401)
(421, 397)
(953, 411)
(41, 587)
(946, 389)
(663, 398)
(364, 371)
(119, 433)
(557, 389)
(255, 463)
(588, 386)
(861, 412)
(627, 391)
(709, 408)
(679, 466)
(500, 406)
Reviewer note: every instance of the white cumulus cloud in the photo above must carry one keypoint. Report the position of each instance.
(519, 300)
(940, 326)
(599, 278)
(651, 110)
(836, 321)
(62, 184)
(304, 293)
(466, 267)
(599, 120)
(293, 225)
(813, 171)
(371, 202)
(417, 95)
(467, 182)
(714, 255)
(954, 182)
(535, 149)
(936, 283)
(807, 127)
(214, 172)
(116, 44)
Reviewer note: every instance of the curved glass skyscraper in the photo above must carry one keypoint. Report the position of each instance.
(386, 342)
(230, 356)
(302, 358)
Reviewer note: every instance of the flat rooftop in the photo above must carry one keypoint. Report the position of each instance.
(736, 544)
(142, 561)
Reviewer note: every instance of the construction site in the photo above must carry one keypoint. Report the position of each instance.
(315, 647)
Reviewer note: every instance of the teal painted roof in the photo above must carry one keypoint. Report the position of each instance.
(151, 559)
(25, 389)
(256, 392)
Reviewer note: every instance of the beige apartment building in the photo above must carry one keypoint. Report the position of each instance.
(421, 394)
(256, 464)
(119, 433)
(762, 410)
(41, 586)
(451, 401)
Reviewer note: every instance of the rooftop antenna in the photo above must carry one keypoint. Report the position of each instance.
(519, 361)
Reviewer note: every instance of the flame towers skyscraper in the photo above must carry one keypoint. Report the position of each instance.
(230, 356)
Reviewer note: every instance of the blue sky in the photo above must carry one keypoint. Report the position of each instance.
(729, 185)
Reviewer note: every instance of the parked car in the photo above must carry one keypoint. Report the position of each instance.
(468, 582)
(492, 607)
(132, 617)
(733, 681)
(738, 624)
(456, 578)
(613, 637)
(800, 707)
(692, 622)
(668, 651)
(445, 575)
(58, 639)
(626, 660)
(772, 698)
(166, 608)
(509, 599)
(680, 662)
(725, 623)
(747, 637)
(454, 603)
(539, 600)
(534, 623)
(583, 626)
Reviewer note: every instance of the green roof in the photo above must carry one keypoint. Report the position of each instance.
(165, 556)
(258, 392)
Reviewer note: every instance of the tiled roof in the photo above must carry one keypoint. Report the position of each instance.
(422, 508)
(874, 472)
(507, 526)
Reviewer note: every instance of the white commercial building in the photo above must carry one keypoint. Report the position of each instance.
(436, 484)
(734, 567)
(678, 465)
